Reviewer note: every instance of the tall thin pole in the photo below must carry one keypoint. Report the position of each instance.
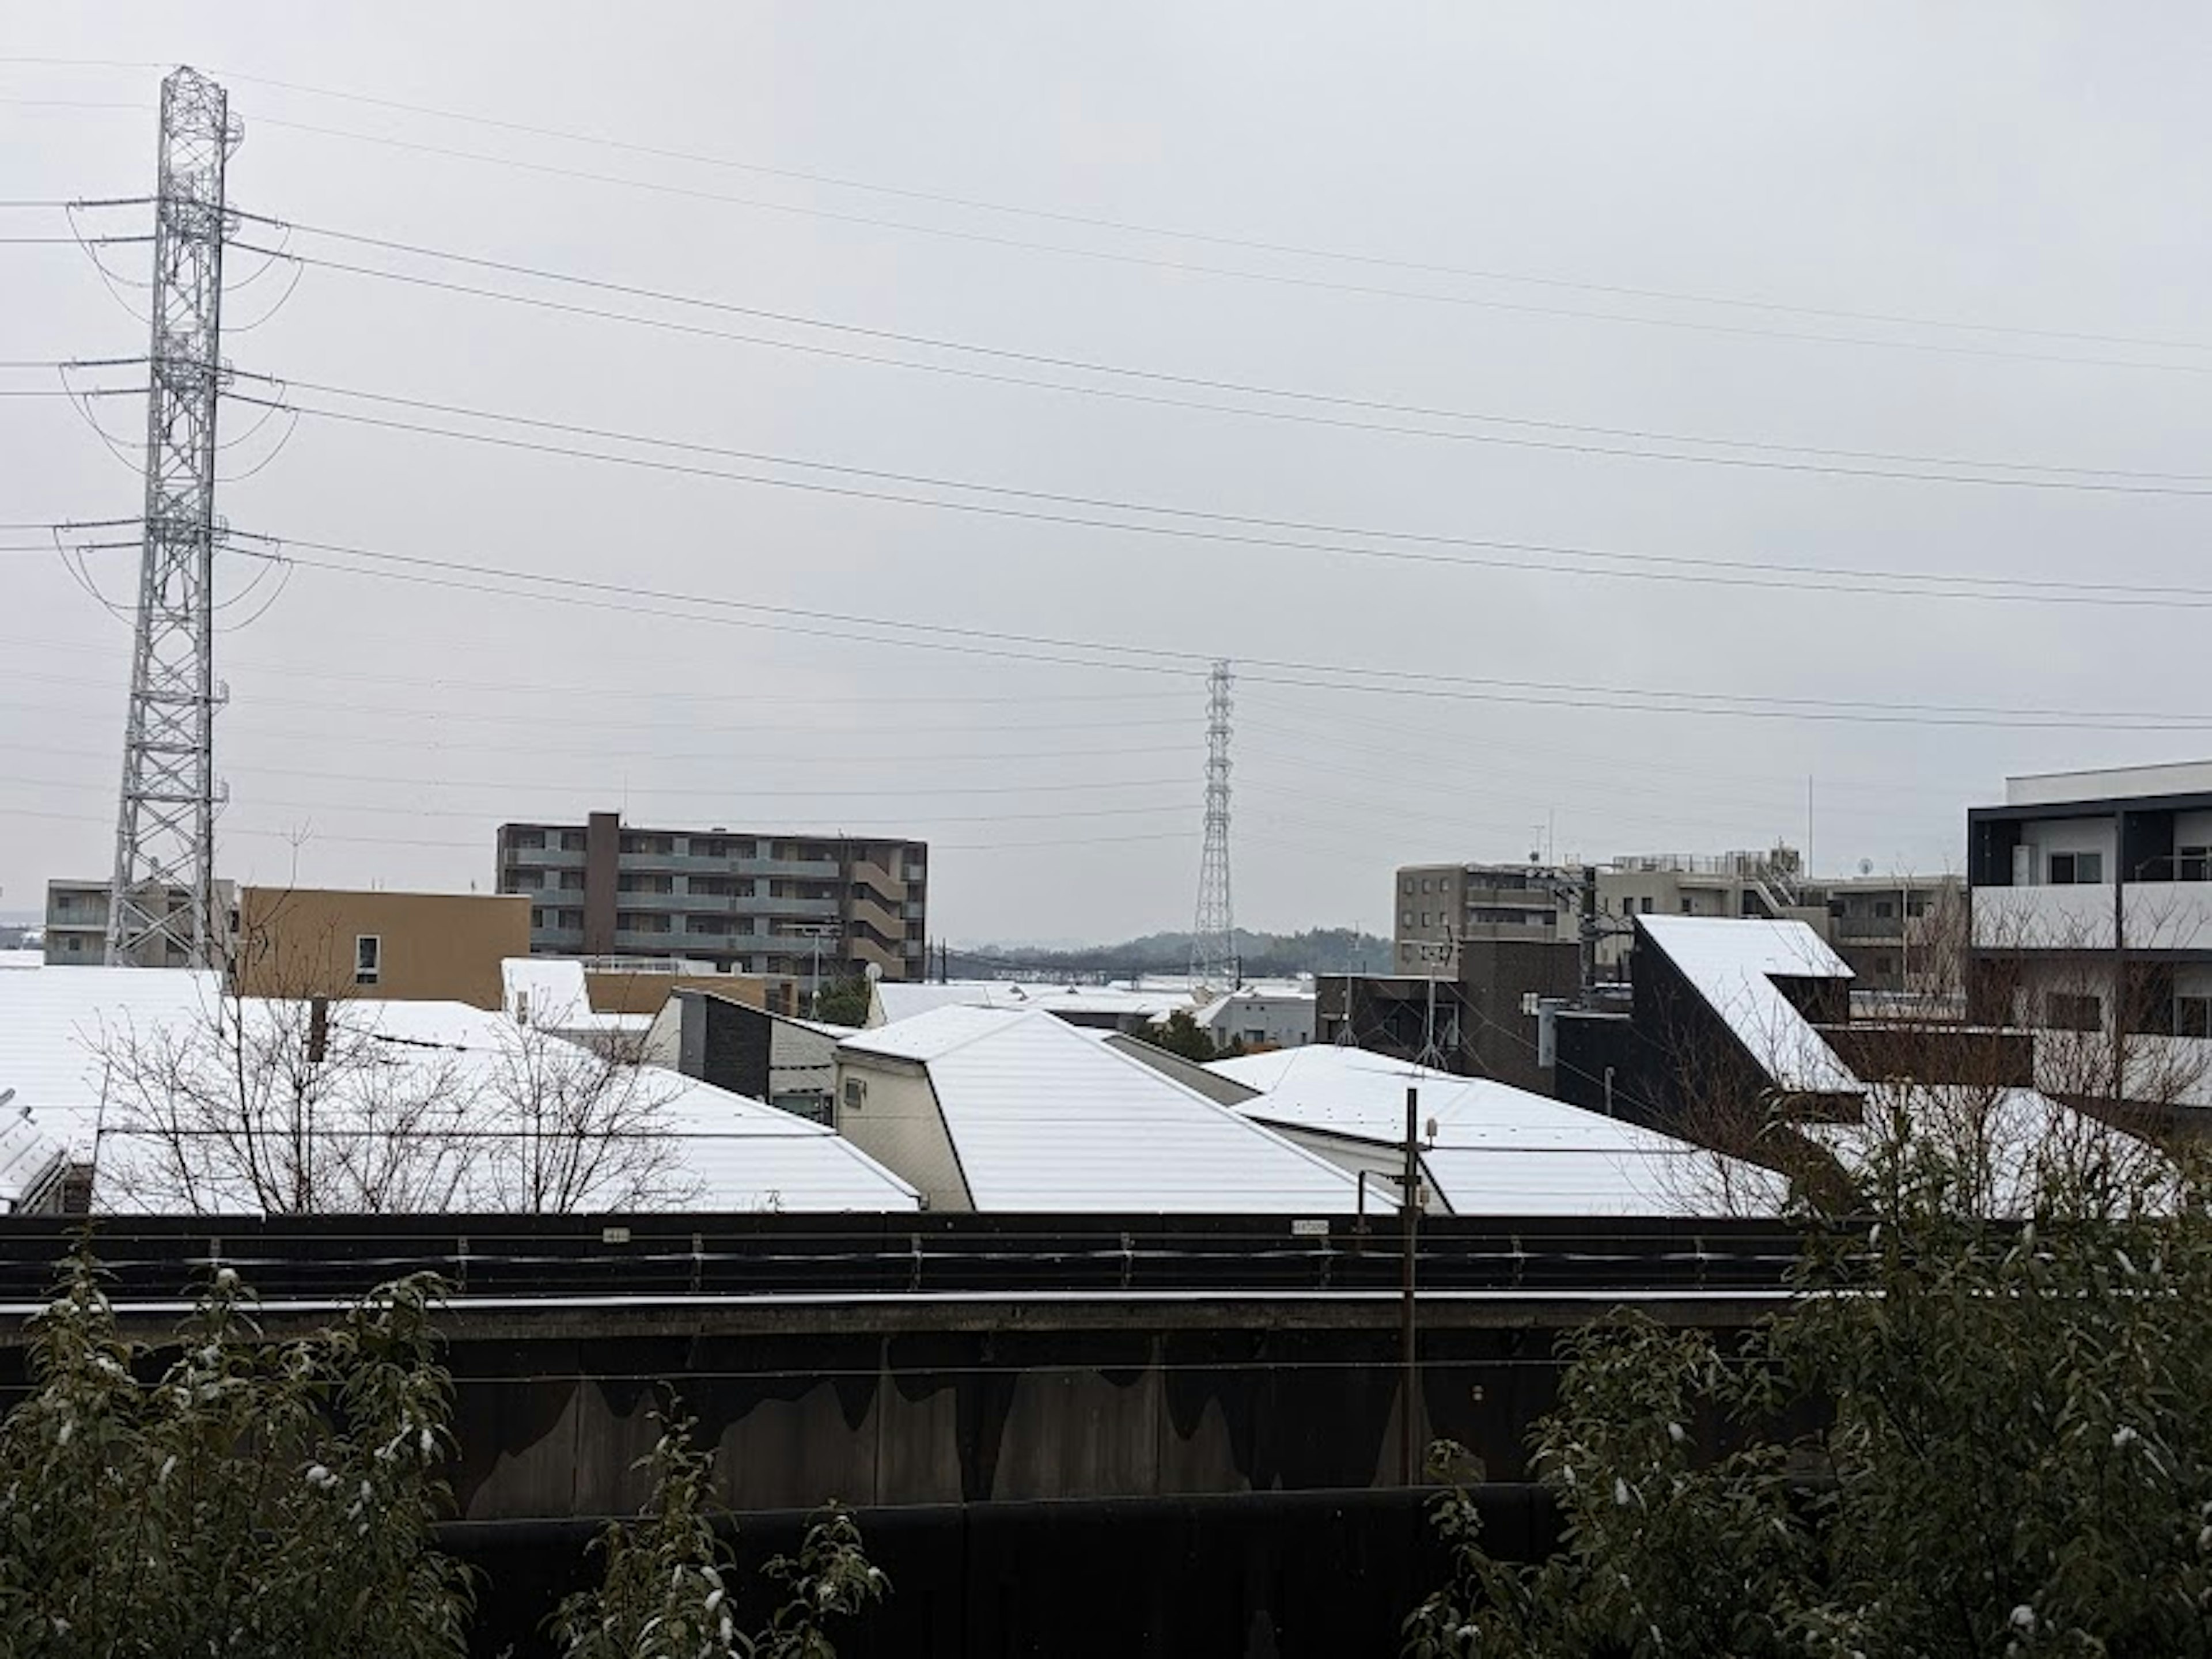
(1411, 1210)
(161, 903)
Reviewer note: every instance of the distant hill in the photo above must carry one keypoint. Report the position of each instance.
(1262, 956)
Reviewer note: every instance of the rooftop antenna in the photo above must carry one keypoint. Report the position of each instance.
(162, 905)
(1213, 936)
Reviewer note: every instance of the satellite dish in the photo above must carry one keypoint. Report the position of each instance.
(875, 972)
(1866, 866)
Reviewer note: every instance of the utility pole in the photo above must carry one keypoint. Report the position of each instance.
(161, 901)
(1411, 1210)
(1213, 934)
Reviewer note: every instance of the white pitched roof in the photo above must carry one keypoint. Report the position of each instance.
(734, 1153)
(1045, 1116)
(1732, 962)
(1497, 1150)
(55, 1025)
(2012, 1139)
(901, 1001)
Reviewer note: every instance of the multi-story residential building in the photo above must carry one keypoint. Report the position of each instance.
(1440, 905)
(2090, 896)
(805, 909)
(1893, 931)
(77, 923)
(1897, 933)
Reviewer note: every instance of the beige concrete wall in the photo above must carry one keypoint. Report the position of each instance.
(432, 947)
(615, 991)
(899, 1125)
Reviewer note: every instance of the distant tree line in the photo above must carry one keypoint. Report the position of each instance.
(1259, 955)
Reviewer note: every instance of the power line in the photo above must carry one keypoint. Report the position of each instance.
(1165, 377)
(1260, 670)
(1189, 267)
(605, 142)
(313, 838)
(1698, 571)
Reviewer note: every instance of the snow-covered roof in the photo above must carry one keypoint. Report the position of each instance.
(22, 959)
(2011, 1140)
(1732, 963)
(1045, 1116)
(55, 1026)
(61, 1033)
(31, 1160)
(897, 1000)
(1497, 1150)
(544, 990)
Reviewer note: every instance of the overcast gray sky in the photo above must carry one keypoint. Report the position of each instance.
(2016, 168)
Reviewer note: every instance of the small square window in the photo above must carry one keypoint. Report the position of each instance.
(2192, 1016)
(367, 959)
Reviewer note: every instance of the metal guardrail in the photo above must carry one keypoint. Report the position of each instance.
(736, 1256)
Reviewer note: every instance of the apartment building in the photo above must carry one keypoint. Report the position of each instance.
(2090, 901)
(77, 923)
(1897, 933)
(801, 909)
(1439, 905)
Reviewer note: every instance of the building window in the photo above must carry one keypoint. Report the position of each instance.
(1885, 964)
(634, 882)
(75, 944)
(704, 925)
(572, 881)
(530, 841)
(2076, 869)
(2193, 864)
(1405, 918)
(643, 921)
(2064, 1011)
(1917, 905)
(367, 959)
(1647, 903)
(1686, 906)
(541, 918)
(1885, 908)
(1407, 887)
(575, 840)
(2192, 1016)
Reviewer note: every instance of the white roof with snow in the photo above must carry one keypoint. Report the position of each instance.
(897, 1000)
(60, 1032)
(2008, 1141)
(55, 1025)
(1732, 963)
(22, 959)
(1497, 1150)
(1045, 1116)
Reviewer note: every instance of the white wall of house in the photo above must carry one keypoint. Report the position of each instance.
(894, 1119)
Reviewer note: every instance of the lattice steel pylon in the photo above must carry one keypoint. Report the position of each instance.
(162, 905)
(1214, 938)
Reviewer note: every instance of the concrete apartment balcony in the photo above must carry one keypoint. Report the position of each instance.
(2172, 1070)
(2167, 916)
(542, 858)
(2075, 918)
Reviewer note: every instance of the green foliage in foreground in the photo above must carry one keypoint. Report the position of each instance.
(668, 1578)
(2013, 1453)
(258, 1499)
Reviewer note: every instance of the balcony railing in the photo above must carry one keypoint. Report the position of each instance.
(2066, 918)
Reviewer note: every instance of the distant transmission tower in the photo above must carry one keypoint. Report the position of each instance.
(1213, 942)
(161, 909)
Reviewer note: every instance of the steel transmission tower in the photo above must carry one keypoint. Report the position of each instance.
(161, 907)
(1213, 942)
